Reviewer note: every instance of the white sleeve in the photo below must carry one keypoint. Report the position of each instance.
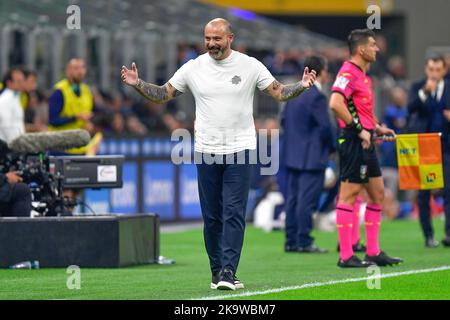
(179, 79)
(264, 78)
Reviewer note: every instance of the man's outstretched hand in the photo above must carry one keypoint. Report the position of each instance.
(130, 77)
(308, 78)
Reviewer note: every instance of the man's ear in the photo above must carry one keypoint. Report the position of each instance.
(361, 50)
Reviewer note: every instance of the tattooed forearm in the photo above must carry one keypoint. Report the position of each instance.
(152, 92)
(282, 92)
(290, 91)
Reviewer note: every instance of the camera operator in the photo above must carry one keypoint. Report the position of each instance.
(15, 196)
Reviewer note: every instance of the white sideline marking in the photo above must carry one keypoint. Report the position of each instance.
(321, 284)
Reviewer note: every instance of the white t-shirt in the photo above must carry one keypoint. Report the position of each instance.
(11, 116)
(223, 92)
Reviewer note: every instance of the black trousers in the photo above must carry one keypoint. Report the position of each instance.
(15, 200)
(424, 200)
(223, 190)
(304, 189)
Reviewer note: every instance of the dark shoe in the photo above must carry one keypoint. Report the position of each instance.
(290, 249)
(226, 280)
(431, 243)
(359, 247)
(446, 242)
(382, 259)
(215, 280)
(311, 249)
(353, 262)
(238, 284)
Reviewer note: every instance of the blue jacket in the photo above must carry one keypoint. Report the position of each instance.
(308, 136)
(392, 113)
(428, 116)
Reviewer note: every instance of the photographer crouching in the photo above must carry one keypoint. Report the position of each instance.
(15, 196)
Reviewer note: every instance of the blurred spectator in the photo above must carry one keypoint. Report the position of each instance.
(396, 113)
(338, 56)
(36, 113)
(29, 86)
(447, 63)
(429, 109)
(155, 118)
(36, 118)
(395, 117)
(134, 126)
(186, 53)
(118, 123)
(284, 62)
(396, 68)
(11, 112)
(396, 75)
(131, 123)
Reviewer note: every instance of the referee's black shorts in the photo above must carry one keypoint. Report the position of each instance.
(356, 164)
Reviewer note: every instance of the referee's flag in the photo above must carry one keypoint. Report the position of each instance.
(419, 159)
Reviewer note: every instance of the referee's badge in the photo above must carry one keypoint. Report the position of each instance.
(363, 171)
(341, 82)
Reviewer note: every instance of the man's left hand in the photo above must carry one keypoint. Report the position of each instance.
(85, 116)
(388, 134)
(13, 177)
(447, 114)
(308, 78)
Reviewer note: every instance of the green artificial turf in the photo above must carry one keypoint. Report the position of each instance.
(264, 266)
(435, 285)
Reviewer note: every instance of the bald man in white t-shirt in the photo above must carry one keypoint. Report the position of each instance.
(223, 82)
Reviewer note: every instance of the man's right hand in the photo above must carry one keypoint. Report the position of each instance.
(430, 85)
(13, 177)
(364, 135)
(130, 77)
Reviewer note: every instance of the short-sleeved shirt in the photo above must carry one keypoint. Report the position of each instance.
(223, 92)
(356, 87)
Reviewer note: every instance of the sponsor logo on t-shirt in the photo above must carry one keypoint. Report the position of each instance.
(236, 80)
(341, 82)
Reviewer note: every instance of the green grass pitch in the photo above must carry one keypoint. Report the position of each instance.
(263, 266)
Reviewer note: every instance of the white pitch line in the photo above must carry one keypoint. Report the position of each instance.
(321, 284)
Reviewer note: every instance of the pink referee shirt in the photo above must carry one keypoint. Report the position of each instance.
(354, 84)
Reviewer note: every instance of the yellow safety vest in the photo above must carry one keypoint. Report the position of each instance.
(73, 105)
